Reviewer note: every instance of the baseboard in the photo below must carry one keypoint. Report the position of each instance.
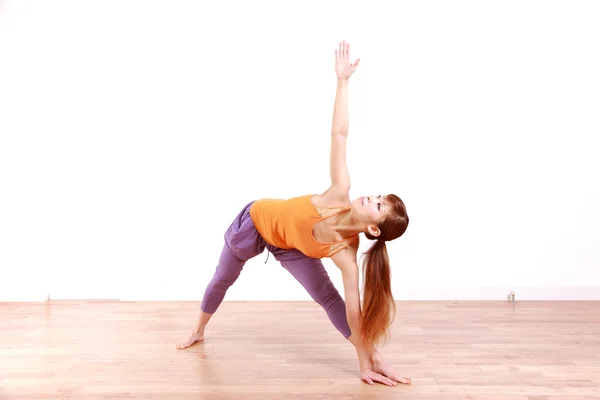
(165, 293)
(576, 293)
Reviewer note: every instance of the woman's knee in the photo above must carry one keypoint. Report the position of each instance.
(329, 298)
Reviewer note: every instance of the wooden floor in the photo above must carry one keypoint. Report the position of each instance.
(451, 350)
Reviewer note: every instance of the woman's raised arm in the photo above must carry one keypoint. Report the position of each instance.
(340, 178)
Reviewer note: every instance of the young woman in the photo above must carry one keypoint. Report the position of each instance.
(300, 231)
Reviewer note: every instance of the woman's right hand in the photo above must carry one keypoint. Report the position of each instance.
(343, 66)
(370, 376)
(378, 364)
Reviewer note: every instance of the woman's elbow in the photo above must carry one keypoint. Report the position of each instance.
(341, 130)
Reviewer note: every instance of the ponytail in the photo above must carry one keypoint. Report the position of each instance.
(379, 308)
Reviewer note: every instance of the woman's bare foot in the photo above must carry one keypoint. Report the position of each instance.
(194, 337)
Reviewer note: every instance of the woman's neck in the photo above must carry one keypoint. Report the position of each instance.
(347, 225)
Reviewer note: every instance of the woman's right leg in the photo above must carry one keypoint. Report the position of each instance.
(242, 242)
(225, 275)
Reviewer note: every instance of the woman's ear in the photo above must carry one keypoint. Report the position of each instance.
(374, 230)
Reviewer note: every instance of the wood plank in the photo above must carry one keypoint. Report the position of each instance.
(272, 350)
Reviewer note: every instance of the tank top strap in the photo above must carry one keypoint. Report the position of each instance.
(326, 212)
(342, 244)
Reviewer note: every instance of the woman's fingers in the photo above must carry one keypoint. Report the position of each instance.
(390, 373)
(376, 377)
(385, 380)
(343, 50)
(398, 378)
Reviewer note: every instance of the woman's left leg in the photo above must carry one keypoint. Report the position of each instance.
(312, 275)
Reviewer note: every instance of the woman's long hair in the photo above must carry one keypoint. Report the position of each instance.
(379, 308)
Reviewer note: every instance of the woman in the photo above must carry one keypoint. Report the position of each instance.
(299, 232)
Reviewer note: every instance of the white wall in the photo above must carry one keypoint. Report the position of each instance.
(120, 121)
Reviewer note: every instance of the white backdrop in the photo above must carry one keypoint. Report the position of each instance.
(132, 133)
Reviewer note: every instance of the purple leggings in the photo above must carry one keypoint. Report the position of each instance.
(243, 242)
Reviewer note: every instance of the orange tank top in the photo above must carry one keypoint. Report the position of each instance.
(288, 224)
